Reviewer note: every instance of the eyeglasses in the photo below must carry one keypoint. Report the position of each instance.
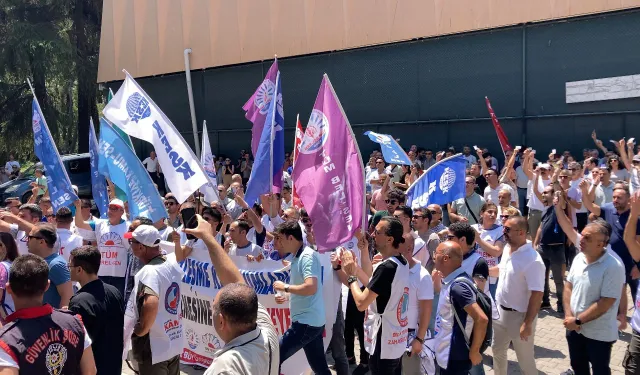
(564, 176)
(418, 217)
(168, 204)
(220, 190)
(507, 229)
(390, 201)
(470, 183)
(504, 217)
(36, 237)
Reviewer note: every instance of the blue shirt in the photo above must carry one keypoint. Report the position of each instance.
(618, 222)
(58, 275)
(307, 309)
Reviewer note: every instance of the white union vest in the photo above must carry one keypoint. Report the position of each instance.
(468, 265)
(165, 335)
(113, 248)
(490, 236)
(393, 321)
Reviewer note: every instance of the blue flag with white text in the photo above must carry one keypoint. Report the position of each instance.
(58, 183)
(125, 170)
(269, 157)
(442, 183)
(98, 182)
(391, 150)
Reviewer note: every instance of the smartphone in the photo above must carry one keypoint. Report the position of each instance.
(189, 220)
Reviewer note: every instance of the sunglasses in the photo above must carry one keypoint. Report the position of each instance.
(30, 237)
(564, 176)
(167, 204)
(418, 217)
(504, 217)
(390, 201)
(507, 229)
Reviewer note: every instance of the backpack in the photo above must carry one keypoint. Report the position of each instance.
(485, 304)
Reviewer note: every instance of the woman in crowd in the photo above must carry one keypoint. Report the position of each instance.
(227, 171)
(618, 170)
(490, 240)
(8, 253)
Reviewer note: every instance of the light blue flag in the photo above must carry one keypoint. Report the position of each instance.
(58, 183)
(442, 183)
(267, 167)
(126, 171)
(98, 182)
(391, 150)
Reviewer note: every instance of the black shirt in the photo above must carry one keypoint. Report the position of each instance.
(481, 184)
(102, 310)
(550, 231)
(380, 284)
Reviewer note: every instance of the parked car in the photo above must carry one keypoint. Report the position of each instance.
(78, 168)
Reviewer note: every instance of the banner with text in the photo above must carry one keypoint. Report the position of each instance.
(200, 284)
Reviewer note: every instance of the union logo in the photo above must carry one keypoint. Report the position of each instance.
(36, 124)
(192, 339)
(381, 138)
(138, 107)
(447, 180)
(172, 298)
(55, 358)
(316, 134)
(211, 343)
(264, 95)
(403, 308)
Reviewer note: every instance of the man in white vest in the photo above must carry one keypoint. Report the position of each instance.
(157, 335)
(386, 298)
(109, 235)
(457, 350)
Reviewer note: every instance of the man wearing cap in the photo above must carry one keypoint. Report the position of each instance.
(109, 235)
(156, 341)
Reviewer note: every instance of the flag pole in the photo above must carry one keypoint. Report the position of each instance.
(364, 178)
(274, 100)
(293, 156)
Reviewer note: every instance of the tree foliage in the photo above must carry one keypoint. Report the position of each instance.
(55, 44)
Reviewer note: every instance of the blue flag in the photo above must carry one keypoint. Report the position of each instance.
(442, 183)
(98, 182)
(125, 170)
(267, 167)
(58, 183)
(391, 150)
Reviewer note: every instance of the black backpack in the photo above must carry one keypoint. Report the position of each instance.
(485, 304)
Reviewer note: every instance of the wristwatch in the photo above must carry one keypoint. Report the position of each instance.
(421, 341)
(286, 288)
(352, 279)
(578, 322)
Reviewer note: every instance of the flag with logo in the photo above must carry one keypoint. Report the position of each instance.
(58, 183)
(502, 138)
(98, 182)
(329, 173)
(125, 136)
(210, 189)
(391, 150)
(266, 174)
(133, 111)
(125, 170)
(296, 150)
(442, 183)
(257, 107)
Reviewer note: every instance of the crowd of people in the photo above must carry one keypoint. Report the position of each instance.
(428, 289)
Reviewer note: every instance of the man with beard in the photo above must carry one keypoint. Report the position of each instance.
(394, 199)
(467, 209)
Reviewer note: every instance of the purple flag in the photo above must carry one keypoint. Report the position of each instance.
(329, 174)
(257, 107)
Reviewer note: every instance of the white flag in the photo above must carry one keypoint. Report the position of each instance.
(210, 189)
(133, 111)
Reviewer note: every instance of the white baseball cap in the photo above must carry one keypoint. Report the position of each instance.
(146, 235)
(117, 202)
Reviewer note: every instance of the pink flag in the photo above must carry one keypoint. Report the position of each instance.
(257, 106)
(329, 174)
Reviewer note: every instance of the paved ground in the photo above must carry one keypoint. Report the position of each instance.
(552, 355)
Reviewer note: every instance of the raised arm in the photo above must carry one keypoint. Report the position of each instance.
(79, 221)
(225, 267)
(624, 157)
(527, 165)
(598, 142)
(508, 167)
(255, 220)
(630, 230)
(587, 199)
(563, 220)
(483, 162)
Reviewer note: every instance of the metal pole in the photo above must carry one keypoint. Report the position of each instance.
(192, 108)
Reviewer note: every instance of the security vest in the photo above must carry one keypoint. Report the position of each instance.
(44, 341)
(393, 320)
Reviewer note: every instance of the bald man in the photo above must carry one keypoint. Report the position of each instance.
(454, 353)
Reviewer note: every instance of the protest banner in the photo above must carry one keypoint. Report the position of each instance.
(200, 285)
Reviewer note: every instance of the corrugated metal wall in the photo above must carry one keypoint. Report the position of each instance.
(431, 92)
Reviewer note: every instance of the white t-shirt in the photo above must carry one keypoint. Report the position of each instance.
(7, 361)
(21, 239)
(521, 272)
(534, 202)
(374, 175)
(420, 289)
(67, 241)
(10, 164)
(491, 195)
(151, 164)
(251, 249)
